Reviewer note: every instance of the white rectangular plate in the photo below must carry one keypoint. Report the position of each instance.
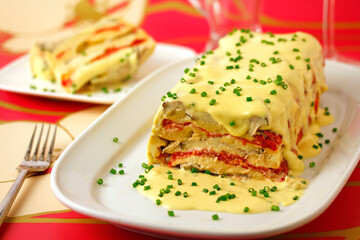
(17, 77)
(94, 153)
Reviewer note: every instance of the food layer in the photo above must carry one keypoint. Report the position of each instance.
(243, 108)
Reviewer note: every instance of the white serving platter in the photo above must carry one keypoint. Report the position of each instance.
(92, 154)
(17, 77)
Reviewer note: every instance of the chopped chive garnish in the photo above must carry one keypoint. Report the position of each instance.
(170, 177)
(163, 98)
(275, 208)
(327, 141)
(246, 209)
(203, 94)
(248, 99)
(319, 135)
(263, 64)
(334, 129)
(158, 201)
(195, 69)
(186, 70)
(295, 198)
(100, 181)
(212, 102)
(117, 90)
(315, 146)
(216, 187)
(147, 187)
(202, 62)
(229, 67)
(192, 74)
(179, 182)
(171, 213)
(267, 100)
(307, 59)
(232, 123)
(222, 89)
(276, 52)
(300, 156)
(226, 84)
(232, 184)
(105, 90)
(136, 183)
(113, 171)
(298, 57)
(194, 170)
(205, 190)
(185, 194)
(207, 172)
(215, 217)
(212, 193)
(121, 172)
(273, 92)
(308, 67)
(248, 77)
(210, 82)
(177, 193)
(192, 91)
(232, 81)
(182, 80)
(193, 184)
(291, 67)
(169, 186)
(115, 139)
(312, 164)
(295, 50)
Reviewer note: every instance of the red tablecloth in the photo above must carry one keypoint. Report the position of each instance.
(175, 21)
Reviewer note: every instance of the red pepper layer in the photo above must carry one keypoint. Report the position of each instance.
(267, 139)
(111, 50)
(234, 160)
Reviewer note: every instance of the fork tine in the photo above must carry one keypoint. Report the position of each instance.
(48, 158)
(38, 144)
(27, 154)
(41, 158)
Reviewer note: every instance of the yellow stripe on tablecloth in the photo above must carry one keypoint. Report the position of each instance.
(348, 234)
(31, 110)
(172, 5)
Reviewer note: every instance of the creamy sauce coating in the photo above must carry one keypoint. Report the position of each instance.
(197, 199)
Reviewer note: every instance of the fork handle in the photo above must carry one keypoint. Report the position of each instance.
(11, 195)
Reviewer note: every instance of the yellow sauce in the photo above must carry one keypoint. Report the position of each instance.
(157, 179)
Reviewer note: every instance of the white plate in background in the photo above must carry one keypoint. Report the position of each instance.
(91, 155)
(17, 77)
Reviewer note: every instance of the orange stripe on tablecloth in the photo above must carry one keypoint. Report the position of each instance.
(31, 110)
(348, 48)
(269, 21)
(348, 233)
(172, 6)
(352, 184)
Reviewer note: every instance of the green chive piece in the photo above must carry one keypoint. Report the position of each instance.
(212, 102)
(319, 135)
(192, 91)
(295, 50)
(212, 193)
(194, 170)
(169, 186)
(179, 182)
(115, 139)
(203, 94)
(273, 189)
(158, 201)
(291, 67)
(163, 98)
(121, 172)
(120, 165)
(186, 70)
(171, 213)
(246, 209)
(207, 172)
(312, 164)
(136, 183)
(295, 198)
(327, 141)
(267, 100)
(210, 82)
(334, 130)
(216, 187)
(193, 184)
(300, 156)
(275, 208)
(273, 92)
(170, 177)
(100, 181)
(185, 194)
(232, 81)
(232, 123)
(177, 193)
(113, 171)
(232, 184)
(308, 67)
(215, 217)
(315, 146)
(147, 187)
(248, 77)
(248, 99)
(205, 190)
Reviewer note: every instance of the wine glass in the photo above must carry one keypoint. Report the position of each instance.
(225, 15)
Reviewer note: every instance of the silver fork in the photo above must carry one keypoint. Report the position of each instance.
(27, 166)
